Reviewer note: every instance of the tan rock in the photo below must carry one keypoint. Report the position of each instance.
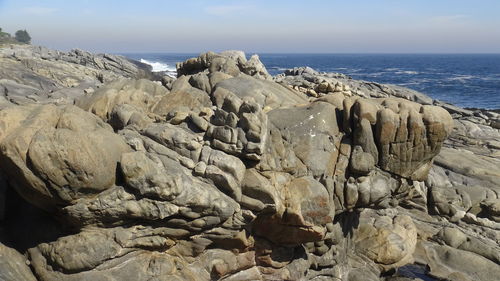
(13, 265)
(307, 210)
(141, 93)
(406, 135)
(389, 241)
(65, 147)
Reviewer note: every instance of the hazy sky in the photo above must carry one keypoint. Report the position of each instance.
(335, 26)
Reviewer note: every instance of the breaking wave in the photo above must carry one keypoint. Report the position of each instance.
(158, 66)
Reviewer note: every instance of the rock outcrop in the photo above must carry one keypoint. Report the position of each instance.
(33, 74)
(13, 265)
(227, 173)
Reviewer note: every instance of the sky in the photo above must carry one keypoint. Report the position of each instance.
(272, 26)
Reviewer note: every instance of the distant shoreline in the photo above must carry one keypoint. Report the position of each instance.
(452, 78)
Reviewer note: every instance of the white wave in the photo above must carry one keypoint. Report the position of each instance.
(372, 74)
(461, 78)
(409, 72)
(279, 68)
(158, 66)
(409, 83)
(491, 78)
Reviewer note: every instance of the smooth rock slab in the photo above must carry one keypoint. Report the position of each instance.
(454, 264)
(13, 266)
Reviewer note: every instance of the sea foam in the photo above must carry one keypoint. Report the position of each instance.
(158, 66)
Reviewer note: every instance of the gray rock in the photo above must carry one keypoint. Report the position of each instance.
(264, 93)
(14, 266)
(229, 62)
(459, 240)
(300, 71)
(359, 274)
(228, 174)
(361, 162)
(304, 140)
(450, 263)
(142, 94)
(33, 74)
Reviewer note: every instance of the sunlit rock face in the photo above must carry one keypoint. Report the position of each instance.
(227, 173)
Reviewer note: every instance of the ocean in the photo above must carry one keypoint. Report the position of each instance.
(466, 80)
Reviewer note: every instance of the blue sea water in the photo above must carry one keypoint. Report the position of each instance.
(466, 80)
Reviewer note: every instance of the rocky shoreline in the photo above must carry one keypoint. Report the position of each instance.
(110, 172)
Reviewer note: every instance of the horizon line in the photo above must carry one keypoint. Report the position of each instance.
(96, 51)
(313, 53)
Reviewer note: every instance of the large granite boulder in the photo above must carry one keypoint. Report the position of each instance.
(405, 136)
(386, 239)
(54, 155)
(225, 174)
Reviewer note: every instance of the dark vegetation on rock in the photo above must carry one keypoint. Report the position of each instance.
(228, 173)
(20, 37)
(23, 36)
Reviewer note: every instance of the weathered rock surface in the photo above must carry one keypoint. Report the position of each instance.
(227, 173)
(33, 74)
(53, 155)
(388, 240)
(229, 62)
(455, 264)
(13, 265)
